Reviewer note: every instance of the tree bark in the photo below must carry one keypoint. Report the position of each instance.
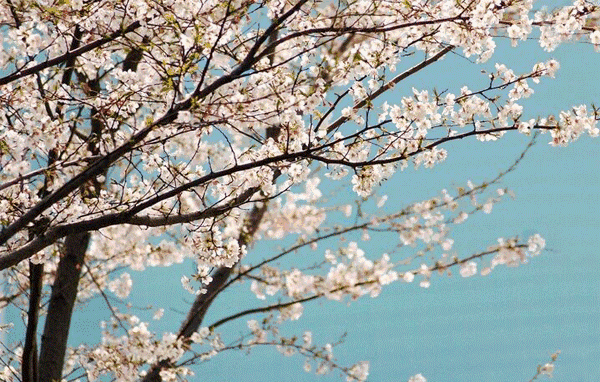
(29, 364)
(60, 308)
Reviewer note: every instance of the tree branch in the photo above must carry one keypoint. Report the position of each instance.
(102, 164)
(278, 306)
(60, 307)
(29, 365)
(202, 302)
(390, 84)
(127, 217)
(69, 55)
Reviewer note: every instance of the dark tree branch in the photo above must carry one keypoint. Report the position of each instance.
(390, 84)
(29, 365)
(69, 55)
(127, 217)
(279, 306)
(134, 57)
(105, 162)
(60, 307)
(202, 302)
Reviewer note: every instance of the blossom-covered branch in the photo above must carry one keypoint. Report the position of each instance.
(150, 133)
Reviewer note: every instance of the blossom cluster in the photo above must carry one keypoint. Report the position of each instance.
(181, 131)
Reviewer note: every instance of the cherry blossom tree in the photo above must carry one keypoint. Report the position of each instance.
(148, 133)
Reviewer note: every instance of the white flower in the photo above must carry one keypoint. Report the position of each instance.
(468, 269)
(158, 314)
(347, 112)
(358, 91)
(535, 244)
(358, 372)
(307, 367)
(347, 210)
(447, 244)
(551, 67)
(461, 217)
(595, 38)
(487, 207)
(121, 286)
(257, 289)
(196, 338)
(204, 332)
(547, 370)
(307, 339)
(184, 116)
(292, 312)
(417, 378)
(382, 201)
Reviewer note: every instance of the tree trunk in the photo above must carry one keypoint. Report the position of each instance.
(60, 308)
(29, 365)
